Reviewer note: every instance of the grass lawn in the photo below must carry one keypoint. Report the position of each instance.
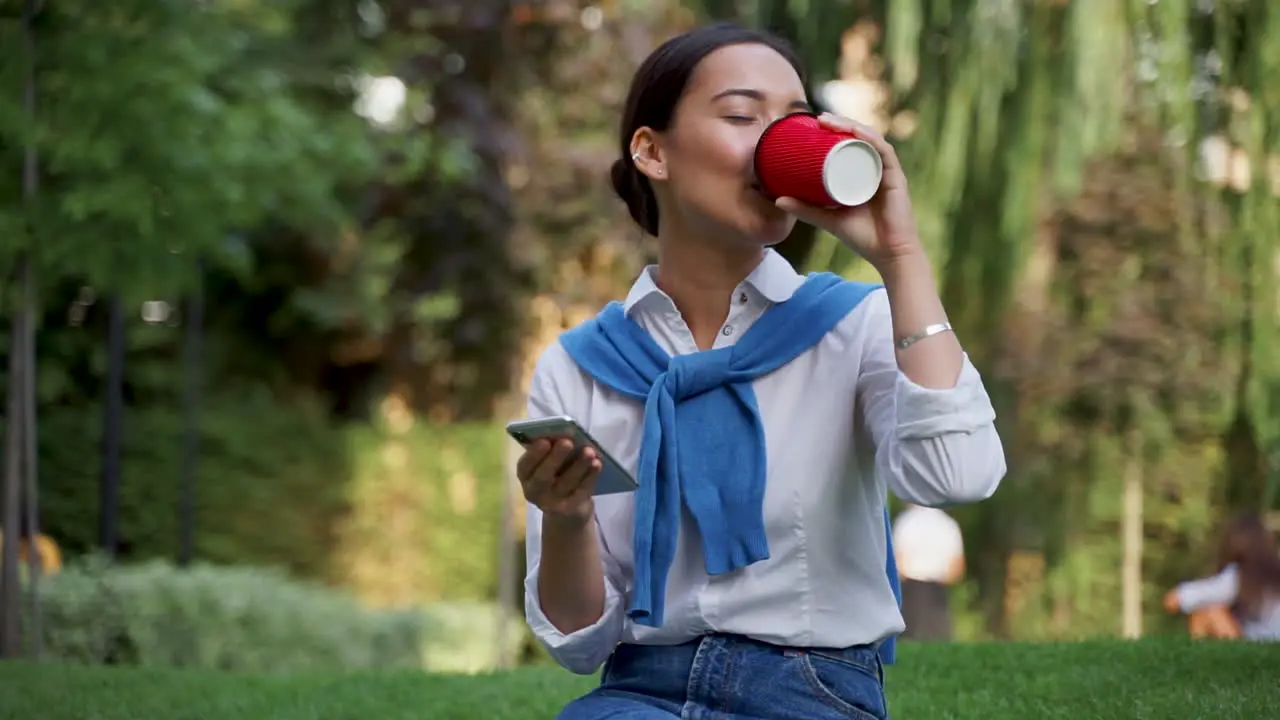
(1151, 680)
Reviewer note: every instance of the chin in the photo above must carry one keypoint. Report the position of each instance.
(754, 226)
(771, 231)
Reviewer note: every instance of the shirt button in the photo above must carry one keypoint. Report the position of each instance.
(742, 298)
(727, 331)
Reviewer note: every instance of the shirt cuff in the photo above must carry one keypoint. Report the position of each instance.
(582, 651)
(928, 413)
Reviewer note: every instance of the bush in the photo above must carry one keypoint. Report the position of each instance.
(424, 515)
(464, 637)
(271, 481)
(398, 518)
(239, 619)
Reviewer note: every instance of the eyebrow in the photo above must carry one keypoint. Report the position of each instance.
(759, 96)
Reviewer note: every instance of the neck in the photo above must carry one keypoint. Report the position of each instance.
(700, 278)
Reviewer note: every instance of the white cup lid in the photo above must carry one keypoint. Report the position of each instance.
(852, 172)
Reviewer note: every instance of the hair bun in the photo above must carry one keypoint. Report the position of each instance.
(635, 191)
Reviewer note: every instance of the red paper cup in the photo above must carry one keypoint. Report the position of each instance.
(798, 157)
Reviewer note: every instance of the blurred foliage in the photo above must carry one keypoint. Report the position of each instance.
(163, 126)
(1117, 365)
(1077, 174)
(271, 483)
(236, 619)
(378, 286)
(399, 518)
(423, 509)
(247, 619)
(465, 637)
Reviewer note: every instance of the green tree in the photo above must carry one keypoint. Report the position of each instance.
(160, 128)
(1032, 123)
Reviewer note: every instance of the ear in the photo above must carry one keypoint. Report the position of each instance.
(647, 154)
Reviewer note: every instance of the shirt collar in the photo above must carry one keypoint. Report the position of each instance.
(773, 278)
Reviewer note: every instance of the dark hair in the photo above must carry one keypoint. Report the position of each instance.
(1250, 546)
(656, 89)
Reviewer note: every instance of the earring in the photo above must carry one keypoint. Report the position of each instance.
(635, 156)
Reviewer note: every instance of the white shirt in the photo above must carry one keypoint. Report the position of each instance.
(841, 423)
(927, 542)
(1223, 589)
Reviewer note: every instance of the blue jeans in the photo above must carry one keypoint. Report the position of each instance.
(723, 677)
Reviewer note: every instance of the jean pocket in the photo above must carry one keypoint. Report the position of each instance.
(849, 685)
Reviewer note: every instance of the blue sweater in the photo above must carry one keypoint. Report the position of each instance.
(703, 440)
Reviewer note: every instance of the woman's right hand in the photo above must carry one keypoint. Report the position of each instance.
(561, 493)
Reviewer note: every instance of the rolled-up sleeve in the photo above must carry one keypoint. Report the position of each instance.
(583, 651)
(933, 447)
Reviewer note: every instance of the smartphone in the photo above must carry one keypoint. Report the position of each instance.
(613, 477)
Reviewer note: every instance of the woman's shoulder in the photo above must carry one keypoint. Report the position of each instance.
(557, 378)
(554, 365)
(868, 319)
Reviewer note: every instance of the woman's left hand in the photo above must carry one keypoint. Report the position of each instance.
(888, 212)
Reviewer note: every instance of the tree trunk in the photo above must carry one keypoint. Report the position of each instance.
(35, 624)
(1131, 545)
(507, 546)
(112, 432)
(10, 590)
(192, 381)
(19, 445)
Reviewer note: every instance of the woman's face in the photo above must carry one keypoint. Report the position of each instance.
(710, 185)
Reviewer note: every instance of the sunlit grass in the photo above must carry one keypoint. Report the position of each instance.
(1152, 680)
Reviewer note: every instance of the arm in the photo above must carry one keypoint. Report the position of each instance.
(1220, 589)
(572, 599)
(936, 361)
(553, 576)
(935, 446)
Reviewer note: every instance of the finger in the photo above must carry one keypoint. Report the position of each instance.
(816, 216)
(571, 473)
(581, 473)
(587, 486)
(533, 454)
(840, 123)
(538, 486)
(546, 471)
(888, 155)
(832, 121)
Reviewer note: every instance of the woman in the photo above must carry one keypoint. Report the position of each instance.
(764, 414)
(1247, 586)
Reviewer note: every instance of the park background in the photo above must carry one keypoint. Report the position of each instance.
(275, 274)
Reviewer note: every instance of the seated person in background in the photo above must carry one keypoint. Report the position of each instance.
(1246, 590)
(46, 550)
(930, 553)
